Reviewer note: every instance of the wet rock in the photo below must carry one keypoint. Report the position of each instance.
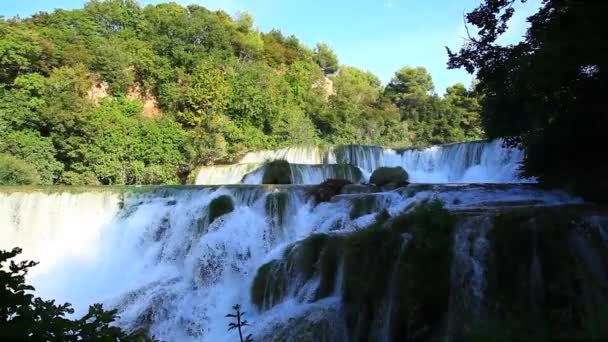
(328, 189)
(277, 172)
(391, 177)
(219, 206)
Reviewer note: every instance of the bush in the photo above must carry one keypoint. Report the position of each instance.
(15, 171)
(277, 172)
(389, 175)
(75, 178)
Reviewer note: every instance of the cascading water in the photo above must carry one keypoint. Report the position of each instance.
(169, 267)
(473, 162)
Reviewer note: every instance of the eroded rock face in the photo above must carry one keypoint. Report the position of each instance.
(148, 100)
(101, 89)
(385, 176)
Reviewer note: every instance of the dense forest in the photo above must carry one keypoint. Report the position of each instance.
(117, 93)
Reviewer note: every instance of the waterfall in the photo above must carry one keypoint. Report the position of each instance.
(227, 174)
(472, 162)
(52, 227)
(158, 257)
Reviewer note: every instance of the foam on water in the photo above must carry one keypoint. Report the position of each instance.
(164, 267)
(472, 162)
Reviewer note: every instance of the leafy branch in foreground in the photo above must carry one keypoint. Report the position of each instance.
(239, 324)
(24, 317)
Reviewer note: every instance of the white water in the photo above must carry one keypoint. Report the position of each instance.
(474, 162)
(163, 267)
(51, 228)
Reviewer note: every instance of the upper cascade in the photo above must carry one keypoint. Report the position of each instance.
(470, 162)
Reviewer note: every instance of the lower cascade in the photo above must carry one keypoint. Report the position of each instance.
(416, 263)
(471, 162)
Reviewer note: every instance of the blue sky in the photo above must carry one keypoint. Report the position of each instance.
(376, 35)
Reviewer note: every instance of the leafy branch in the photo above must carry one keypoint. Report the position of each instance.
(239, 323)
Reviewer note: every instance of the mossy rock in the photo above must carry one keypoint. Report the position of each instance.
(389, 175)
(277, 172)
(363, 205)
(315, 325)
(219, 206)
(421, 273)
(328, 189)
(543, 270)
(315, 256)
(269, 285)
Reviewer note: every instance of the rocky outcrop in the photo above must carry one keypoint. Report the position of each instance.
(384, 176)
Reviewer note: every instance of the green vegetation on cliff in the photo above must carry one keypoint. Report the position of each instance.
(117, 93)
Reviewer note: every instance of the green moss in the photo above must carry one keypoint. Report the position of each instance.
(276, 206)
(219, 206)
(329, 263)
(540, 277)
(349, 172)
(315, 256)
(423, 273)
(277, 172)
(269, 285)
(362, 205)
(369, 256)
(304, 256)
(315, 325)
(389, 175)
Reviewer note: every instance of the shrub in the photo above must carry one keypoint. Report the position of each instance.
(15, 171)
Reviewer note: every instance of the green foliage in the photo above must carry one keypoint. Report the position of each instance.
(15, 171)
(432, 120)
(326, 58)
(277, 172)
(35, 150)
(219, 206)
(546, 93)
(117, 93)
(26, 317)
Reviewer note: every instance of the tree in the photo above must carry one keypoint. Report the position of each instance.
(15, 171)
(35, 150)
(409, 87)
(546, 93)
(24, 317)
(464, 105)
(326, 58)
